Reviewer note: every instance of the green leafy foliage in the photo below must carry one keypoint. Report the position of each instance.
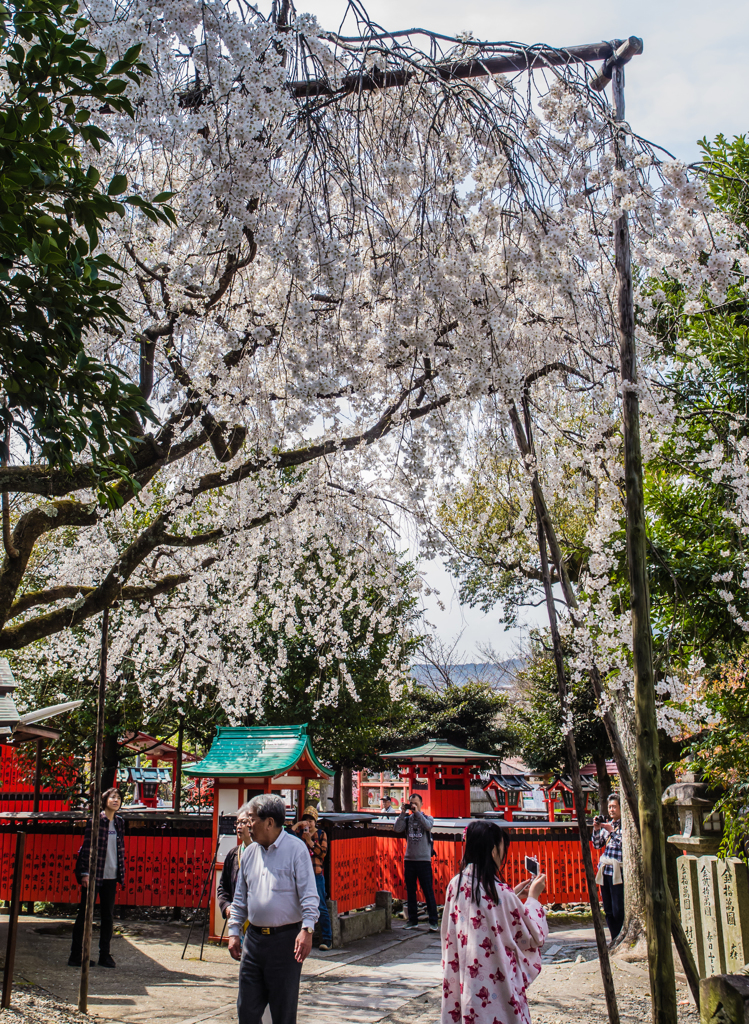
(721, 753)
(471, 715)
(695, 547)
(54, 284)
(534, 715)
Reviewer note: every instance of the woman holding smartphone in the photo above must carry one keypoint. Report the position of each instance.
(491, 939)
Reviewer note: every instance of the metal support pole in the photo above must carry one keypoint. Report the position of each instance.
(15, 904)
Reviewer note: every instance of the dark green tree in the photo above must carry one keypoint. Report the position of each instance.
(471, 715)
(535, 716)
(55, 285)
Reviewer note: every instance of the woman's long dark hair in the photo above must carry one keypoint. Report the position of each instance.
(482, 839)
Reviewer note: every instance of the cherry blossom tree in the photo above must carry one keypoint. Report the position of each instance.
(363, 284)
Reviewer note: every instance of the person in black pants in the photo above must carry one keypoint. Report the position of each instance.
(418, 859)
(110, 869)
(607, 835)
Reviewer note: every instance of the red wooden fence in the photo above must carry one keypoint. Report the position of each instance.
(360, 865)
(17, 785)
(167, 860)
(161, 870)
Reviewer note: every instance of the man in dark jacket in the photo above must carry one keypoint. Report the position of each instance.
(418, 859)
(228, 882)
(110, 870)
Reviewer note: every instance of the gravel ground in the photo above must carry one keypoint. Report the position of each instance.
(31, 1005)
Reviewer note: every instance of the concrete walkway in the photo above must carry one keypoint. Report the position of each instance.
(394, 978)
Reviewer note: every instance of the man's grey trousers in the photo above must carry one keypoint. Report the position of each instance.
(268, 976)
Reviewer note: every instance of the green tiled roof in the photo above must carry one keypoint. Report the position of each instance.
(257, 751)
(438, 752)
(7, 682)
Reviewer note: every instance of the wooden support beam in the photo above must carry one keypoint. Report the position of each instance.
(98, 760)
(521, 58)
(657, 905)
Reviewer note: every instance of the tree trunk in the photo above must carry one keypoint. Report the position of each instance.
(111, 759)
(337, 791)
(670, 752)
(629, 794)
(633, 930)
(604, 783)
(658, 911)
(603, 953)
(347, 790)
(177, 782)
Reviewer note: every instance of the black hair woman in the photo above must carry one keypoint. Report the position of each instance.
(491, 939)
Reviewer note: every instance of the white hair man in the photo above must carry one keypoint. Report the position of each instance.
(276, 893)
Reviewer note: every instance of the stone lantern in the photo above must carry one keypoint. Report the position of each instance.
(701, 826)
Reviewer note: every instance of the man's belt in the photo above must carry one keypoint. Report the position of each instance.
(274, 931)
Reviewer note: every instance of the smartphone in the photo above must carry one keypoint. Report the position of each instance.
(531, 865)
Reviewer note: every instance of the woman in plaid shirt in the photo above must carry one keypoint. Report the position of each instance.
(110, 869)
(607, 835)
(317, 843)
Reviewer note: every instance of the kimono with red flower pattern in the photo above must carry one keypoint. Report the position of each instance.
(490, 954)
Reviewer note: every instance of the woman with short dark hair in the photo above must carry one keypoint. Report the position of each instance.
(110, 869)
(491, 940)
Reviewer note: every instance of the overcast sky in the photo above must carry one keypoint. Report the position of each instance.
(690, 81)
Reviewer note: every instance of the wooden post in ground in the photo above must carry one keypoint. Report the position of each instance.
(15, 905)
(95, 814)
(657, 908)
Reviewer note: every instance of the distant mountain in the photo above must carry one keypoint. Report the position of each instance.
(499, 674)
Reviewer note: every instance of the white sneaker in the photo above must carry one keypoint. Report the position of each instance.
(410, 927)
(434, 927)
(323, 947)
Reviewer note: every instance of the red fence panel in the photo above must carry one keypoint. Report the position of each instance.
(166, 860)
(365, 859)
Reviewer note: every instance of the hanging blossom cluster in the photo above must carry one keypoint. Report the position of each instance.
(316, 588)
(359, 282)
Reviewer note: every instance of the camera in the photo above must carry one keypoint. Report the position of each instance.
(598, 819)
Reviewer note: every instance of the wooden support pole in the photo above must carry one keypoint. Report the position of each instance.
(37, 775)
(95, 815)
(15, 905)
(657, 909)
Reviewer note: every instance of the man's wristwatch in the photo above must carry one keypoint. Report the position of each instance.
(308, 929)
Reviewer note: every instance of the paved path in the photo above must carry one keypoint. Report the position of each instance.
(392, 978)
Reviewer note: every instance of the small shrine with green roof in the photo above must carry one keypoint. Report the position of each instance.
(245, 762)
(441, 774)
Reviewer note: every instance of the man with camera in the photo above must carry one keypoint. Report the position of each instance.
(608, 834)
(418, 859)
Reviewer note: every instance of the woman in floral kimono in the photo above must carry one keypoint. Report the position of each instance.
(491, 940)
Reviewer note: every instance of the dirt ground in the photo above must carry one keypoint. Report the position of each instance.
(392, 978)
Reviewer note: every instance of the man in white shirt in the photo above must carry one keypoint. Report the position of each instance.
(276, 893)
